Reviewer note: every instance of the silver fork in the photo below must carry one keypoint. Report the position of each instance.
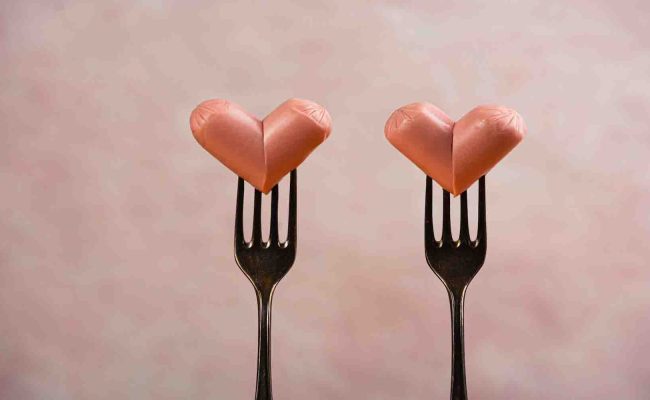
(265, 264)
(456, 262)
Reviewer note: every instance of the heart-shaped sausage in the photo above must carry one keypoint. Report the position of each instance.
(454, 154)
(261, 152)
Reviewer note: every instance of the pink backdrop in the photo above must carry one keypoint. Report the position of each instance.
(117, 279)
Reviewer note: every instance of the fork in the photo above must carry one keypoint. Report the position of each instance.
(456, 262)
(265, 264)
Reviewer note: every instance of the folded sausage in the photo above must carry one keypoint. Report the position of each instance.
(454, 154)
(261, 152)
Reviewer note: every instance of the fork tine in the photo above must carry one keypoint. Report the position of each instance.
(273, 235)
(464, 224)
(292, 234)
(257, 219)
(446, 219)
(429, 235)
(239, 217)
(482, 230)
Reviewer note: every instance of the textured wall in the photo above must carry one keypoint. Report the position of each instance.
(117, 279)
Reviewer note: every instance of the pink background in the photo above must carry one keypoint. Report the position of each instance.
(117, 278)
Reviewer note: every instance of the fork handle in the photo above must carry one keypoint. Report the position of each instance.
(458, 384)
(263, 389)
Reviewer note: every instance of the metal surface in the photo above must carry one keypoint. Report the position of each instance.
(265, 264)
(455, 262)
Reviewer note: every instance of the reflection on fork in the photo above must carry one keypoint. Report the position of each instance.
(456, 262)
(265, 264)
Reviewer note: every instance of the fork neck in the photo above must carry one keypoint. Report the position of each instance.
(456, 291)
(458, 380)
(263, 389)
(264, 292)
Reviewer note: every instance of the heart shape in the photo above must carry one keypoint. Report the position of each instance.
(454, 154)
(261, 152)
